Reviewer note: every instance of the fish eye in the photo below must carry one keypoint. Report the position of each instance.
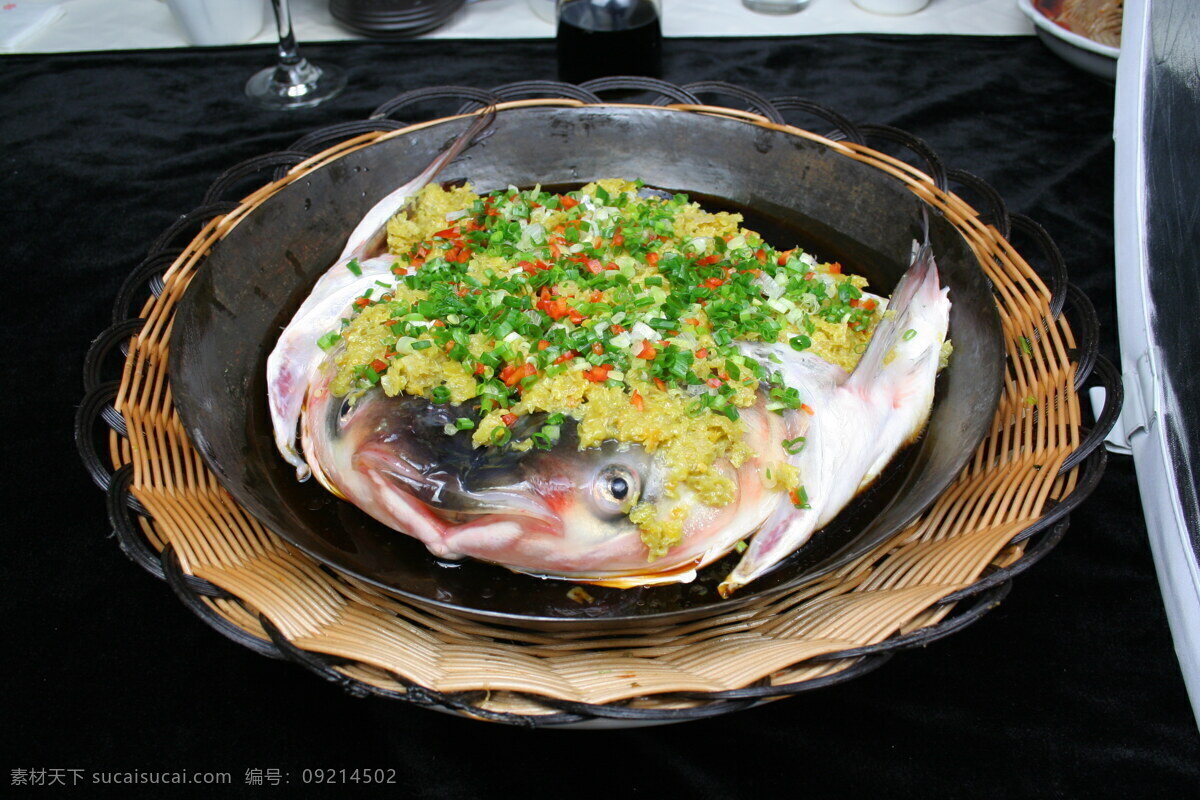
(615, 489)
(619, 487)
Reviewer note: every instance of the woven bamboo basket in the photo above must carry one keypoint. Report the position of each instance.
(938, 574)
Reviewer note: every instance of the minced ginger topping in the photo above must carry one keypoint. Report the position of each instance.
(617, 310)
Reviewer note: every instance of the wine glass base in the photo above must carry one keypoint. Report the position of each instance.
(299, 85)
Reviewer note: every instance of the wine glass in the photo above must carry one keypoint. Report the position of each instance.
(293, 82)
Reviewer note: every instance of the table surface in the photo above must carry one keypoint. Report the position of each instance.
(1068, 688)
(140, 24)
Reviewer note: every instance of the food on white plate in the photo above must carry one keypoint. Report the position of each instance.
(1098, 20)
(607, 385)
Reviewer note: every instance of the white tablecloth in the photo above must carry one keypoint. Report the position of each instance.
(139, 24)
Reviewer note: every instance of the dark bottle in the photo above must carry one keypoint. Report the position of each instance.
(597, 38)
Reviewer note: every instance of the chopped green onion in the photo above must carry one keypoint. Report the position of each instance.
(794, 446)
(540, 295)
(367, 373)
(802, 497)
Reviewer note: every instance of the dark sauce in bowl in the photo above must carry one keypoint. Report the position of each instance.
(621, 37)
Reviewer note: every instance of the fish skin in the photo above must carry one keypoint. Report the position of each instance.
(860, 421)
(293, 364)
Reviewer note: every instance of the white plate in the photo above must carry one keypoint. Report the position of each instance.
(1098, 59)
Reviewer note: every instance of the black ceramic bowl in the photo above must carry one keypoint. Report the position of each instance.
(790, 189)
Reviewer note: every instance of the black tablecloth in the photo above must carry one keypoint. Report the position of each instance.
(1069, 688)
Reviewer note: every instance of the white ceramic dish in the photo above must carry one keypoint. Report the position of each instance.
(1098, 59)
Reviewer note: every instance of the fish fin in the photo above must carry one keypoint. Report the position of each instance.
(370, 235)
(921, 277)
(780, 536)
(296, 357)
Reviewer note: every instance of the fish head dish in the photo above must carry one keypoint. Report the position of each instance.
(570, 505)
(609, 385)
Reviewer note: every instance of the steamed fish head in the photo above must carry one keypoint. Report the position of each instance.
(562, 512)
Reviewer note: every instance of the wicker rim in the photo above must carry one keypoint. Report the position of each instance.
(938, 575)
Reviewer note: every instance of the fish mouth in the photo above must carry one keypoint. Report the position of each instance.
(445, 494)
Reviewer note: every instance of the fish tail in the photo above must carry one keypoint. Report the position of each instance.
(919, 289)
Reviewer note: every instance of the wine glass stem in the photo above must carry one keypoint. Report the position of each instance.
(289, 54)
